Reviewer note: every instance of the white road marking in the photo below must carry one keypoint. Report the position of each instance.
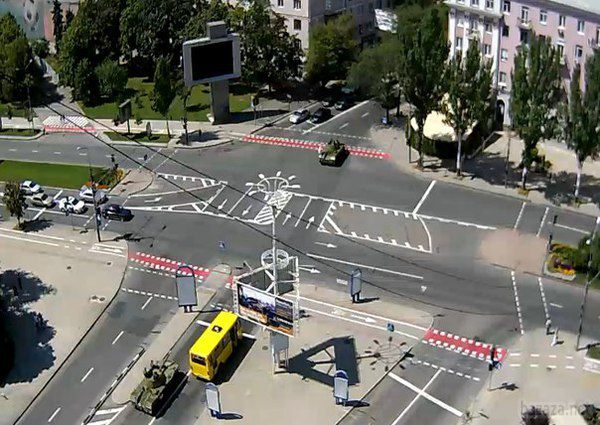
(515, 365)
(240, 200)
(51, 418)
(83, 154)
(534, 355)
(335, 260)
(147, 302)
(12, 150)
(424, 197)
(520, 317)
(28, 240)
(416, 398)
(34, 151)
(364, 115)
(574, 229)
(57, 153)
(110, 411)
(556, 305)
(385, 319)
(520, 215)
(117, 337)
(302, 213)
(534, 365)
(570, 367)
(422, 392)
(543, 221)
(87, 374)
(543, 294)
(343, 126)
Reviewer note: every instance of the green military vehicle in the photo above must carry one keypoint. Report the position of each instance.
(160, 382)
(333, 153)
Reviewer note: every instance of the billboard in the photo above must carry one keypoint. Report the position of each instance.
(266, 309)
(186, 286)
(207, 61)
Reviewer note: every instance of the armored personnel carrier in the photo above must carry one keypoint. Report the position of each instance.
(156, 388)
(333, 153)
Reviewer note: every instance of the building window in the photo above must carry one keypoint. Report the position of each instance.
(503, 55)
(505, 30)
(473, 25)
(506, 6)
(461, 20)
(580, 27)
(524, 13)
(488, 26)
(279, 3)
(297, 24)
(560, 48)
(489, 4)
(487, 49)
(459, 43)
(502, 77)
(562, 21)
(474, 2)
(578, 52)
(297, 4)
(524, 36)
(543, 17)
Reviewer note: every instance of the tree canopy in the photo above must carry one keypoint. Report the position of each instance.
(164, 88)
(332, 50)
(535, 96)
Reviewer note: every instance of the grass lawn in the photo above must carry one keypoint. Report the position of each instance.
(594, 352)
(198, 103)
(17, 110)
(58, 175)
(24, 132)
(138, 137)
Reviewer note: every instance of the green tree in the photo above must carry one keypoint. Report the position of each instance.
(14, 200)
(85, 84)
(207, 11)
(469, 82)
(69, 16)
(375, 74)
(164, 89)
(535, 96)
(423, 56)
(40, 47)
(93, 35)
(332, 50)
(112, 79)
(150, 29)
(57, 22)
(270, 55)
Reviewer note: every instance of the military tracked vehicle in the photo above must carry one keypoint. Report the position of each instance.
(160, 381)
(333, 153)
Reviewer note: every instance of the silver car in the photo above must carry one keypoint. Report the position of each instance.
(29, 187)
(298, 116)
(86, 195)
(42, 200)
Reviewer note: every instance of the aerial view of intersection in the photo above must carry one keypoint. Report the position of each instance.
(371, 213)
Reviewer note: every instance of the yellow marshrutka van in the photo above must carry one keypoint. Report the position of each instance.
(215, 345)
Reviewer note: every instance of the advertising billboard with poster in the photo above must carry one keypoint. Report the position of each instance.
(266, 309)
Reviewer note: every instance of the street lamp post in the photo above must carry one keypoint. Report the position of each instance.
(93, 187)
(587, 284)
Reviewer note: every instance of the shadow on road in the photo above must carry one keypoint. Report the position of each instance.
(228, 369)
(319, 363)
(28, 331)
(34, 226)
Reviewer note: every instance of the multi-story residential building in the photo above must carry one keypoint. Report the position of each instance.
(302, 15)
(501, 26)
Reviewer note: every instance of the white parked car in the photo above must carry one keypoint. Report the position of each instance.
(72, 205)
(86, 194)
(42, 200)
(298, 116)
(29, 187)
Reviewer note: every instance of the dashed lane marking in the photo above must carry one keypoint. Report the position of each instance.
(51, 418)
(517, 303)
(147, 294)
(444, 369)
(520, 215)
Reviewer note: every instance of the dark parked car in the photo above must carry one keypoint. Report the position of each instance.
(328, 102)
(116, 212)
(343, 104)
(320, 115)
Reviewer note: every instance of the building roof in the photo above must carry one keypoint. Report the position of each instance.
(592, 6)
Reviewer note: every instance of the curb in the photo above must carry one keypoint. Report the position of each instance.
(209, 144)
(87, 332)
(23, 138)
(281, 117)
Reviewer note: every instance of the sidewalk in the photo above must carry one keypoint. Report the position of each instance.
(63, 271)
(487, 170)
(326, 342)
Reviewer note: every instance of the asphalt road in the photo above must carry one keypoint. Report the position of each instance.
(364, 211)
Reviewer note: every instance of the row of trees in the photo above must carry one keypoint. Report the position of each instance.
(143, 33)
(414, 63)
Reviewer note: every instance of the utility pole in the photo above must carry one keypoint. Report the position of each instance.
(506, 166)
(587, 285)
(93, 184)
(274, 240)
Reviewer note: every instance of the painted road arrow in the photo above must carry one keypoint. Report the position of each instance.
(327, 245)
(246, 211)
(158, 198)
(287, 217)
(310, 221)
(366, 319)
(310, 270)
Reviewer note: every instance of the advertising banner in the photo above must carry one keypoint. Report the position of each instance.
(266, 309)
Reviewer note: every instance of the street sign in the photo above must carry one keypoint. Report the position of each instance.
(340, 387)
(186, 287)
(213, 400)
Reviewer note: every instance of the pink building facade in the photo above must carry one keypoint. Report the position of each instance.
(501, 26)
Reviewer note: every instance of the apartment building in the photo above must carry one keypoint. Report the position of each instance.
(501, 26)
(302, 15)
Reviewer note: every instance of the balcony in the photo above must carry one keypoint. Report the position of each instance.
(466, 7)
(525, 23)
